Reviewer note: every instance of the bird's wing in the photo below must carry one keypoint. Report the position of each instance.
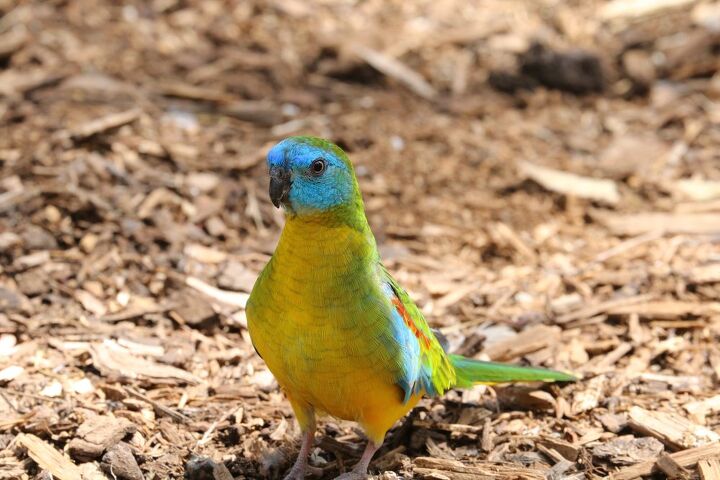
(425, 365)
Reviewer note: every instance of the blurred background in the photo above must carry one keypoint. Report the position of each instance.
(542, 176)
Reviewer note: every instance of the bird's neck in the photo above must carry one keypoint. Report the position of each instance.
(325, 245)
(320, 264)
(341, 238)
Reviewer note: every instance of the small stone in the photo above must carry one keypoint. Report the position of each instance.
(52, 390)
(215, 226)
(12, 300)
(639, 66)
(130, 226)
(88, 242)
(33, 282)
(36, 238)
(94, 287)
(264, 380)
(613, 161)
(119, 462)
(52, 214)
(194, 309)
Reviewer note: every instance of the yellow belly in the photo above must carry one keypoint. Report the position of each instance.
(333, 370)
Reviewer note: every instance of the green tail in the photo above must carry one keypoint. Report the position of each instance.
(471, 372)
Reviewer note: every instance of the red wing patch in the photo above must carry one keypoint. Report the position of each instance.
(410, 323)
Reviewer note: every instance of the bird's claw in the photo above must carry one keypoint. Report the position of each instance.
(352, 476)
(295, 474)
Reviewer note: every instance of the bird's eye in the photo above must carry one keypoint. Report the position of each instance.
(317, 167)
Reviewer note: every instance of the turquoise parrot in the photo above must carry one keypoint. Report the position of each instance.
(339, 334)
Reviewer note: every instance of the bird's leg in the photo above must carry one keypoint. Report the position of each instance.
(360, 470)
(364, 463)
(297, 472)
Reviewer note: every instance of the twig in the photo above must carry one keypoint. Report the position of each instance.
(162, 408)
(628, 245)
(7, 400)
(593, 310)
(207, 436)
(102, 124)
(395, 69)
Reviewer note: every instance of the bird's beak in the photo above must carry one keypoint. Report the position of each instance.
(280, 183)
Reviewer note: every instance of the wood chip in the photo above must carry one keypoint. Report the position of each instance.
(112, 359)
(709, 469)
(96, 435)
(103, 124)
(523, 397)
(613, 422)
(530, 340)
(120, 463)
(669, 223)
(633, 9)
(667, 309)
(705, 274)
(457, 471)
(258, 112)
(90, 302)
(12, 41)
(49, 458)
(666, 464)
(698, 190)
(628, 450)
(699, 409)
(592, 310)
(590, 396)
(204, 254)
(508, 235)
(629, 244)
(201, 468)
(673, 430)
(159, 407)
(236, 299)
(395, 69)
(685, 458)
(565, 183)
(566, 449)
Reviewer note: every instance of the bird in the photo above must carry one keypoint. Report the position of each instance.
(338, 333)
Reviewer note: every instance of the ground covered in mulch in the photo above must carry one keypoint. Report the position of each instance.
(543, 178)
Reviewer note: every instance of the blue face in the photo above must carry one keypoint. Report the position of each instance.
(309, 175)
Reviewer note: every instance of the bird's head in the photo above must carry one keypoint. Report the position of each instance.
(310, 176)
